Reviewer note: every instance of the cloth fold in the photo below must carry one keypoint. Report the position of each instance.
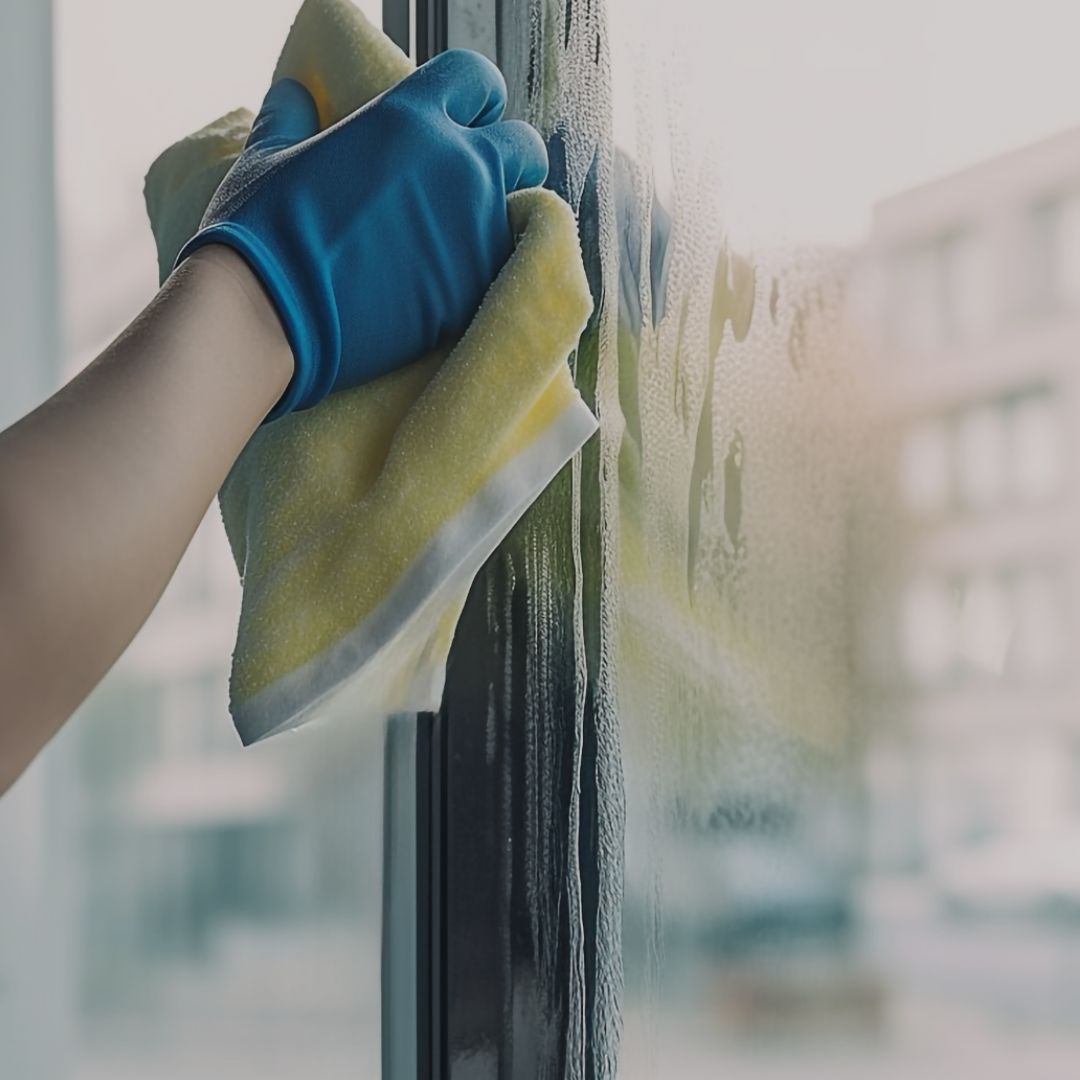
(357, 526)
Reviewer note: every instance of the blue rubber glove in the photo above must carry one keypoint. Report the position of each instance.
(377, 238)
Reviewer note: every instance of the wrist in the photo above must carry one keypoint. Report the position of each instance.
(315, 362)
(258, 341)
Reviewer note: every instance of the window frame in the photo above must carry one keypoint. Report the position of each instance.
(492, 1000)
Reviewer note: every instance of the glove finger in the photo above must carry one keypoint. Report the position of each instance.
(288, 116)
(469, 87)
(520, 150)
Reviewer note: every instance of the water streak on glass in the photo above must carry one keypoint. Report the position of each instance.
(823, 542)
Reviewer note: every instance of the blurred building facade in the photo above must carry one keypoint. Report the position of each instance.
(230, 897)
(973, 755)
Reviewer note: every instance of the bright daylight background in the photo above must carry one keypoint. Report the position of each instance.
(227, 915)
(222, 908)
(878, 876)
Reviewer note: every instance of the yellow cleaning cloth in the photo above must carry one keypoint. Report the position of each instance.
(358, 525)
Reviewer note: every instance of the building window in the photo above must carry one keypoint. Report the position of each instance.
(942, 290)
(985, 624)
(929, 630)
(1055, 254)
(917, 314)
(925, 467)
(1004, 622)
(980, 456)
(1035, 452)
(967, 296)
(988, 455)
(1040, 638)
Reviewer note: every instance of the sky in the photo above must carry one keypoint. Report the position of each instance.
(131, 77)
(820, 108)
(817, 109)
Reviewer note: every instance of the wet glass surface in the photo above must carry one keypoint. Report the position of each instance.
(825, 540)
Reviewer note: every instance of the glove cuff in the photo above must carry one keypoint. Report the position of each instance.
(305, 388)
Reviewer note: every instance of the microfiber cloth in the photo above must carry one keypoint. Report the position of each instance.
(357, 526)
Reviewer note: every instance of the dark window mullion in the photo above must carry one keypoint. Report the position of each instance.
(430, 890)
(431, 18)
(396, 22)
(432, 29)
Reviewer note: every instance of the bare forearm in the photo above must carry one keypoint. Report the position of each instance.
(103, 486)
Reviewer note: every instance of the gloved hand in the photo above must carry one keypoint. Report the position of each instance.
(377, 238)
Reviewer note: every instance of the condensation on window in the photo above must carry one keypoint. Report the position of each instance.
(818, 568)
(472, 24)
(711, 523)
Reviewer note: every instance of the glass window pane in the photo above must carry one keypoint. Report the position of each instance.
(1035, 447)
(471, 25)
(1041, 286)
(1042, 639)
(825, 869)
(930, 629)
(1068, 251)
(981, 456)
(926, 467)
(838, 641)
(918, 299)
(986, 624)
(968, 287)
(1054, 224)
(227, 921)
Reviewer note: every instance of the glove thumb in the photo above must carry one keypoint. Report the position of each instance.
(288, 116)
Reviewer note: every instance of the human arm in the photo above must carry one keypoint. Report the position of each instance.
(103, 486)
(325, 259)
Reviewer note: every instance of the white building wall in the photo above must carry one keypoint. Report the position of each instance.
(991, 734)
